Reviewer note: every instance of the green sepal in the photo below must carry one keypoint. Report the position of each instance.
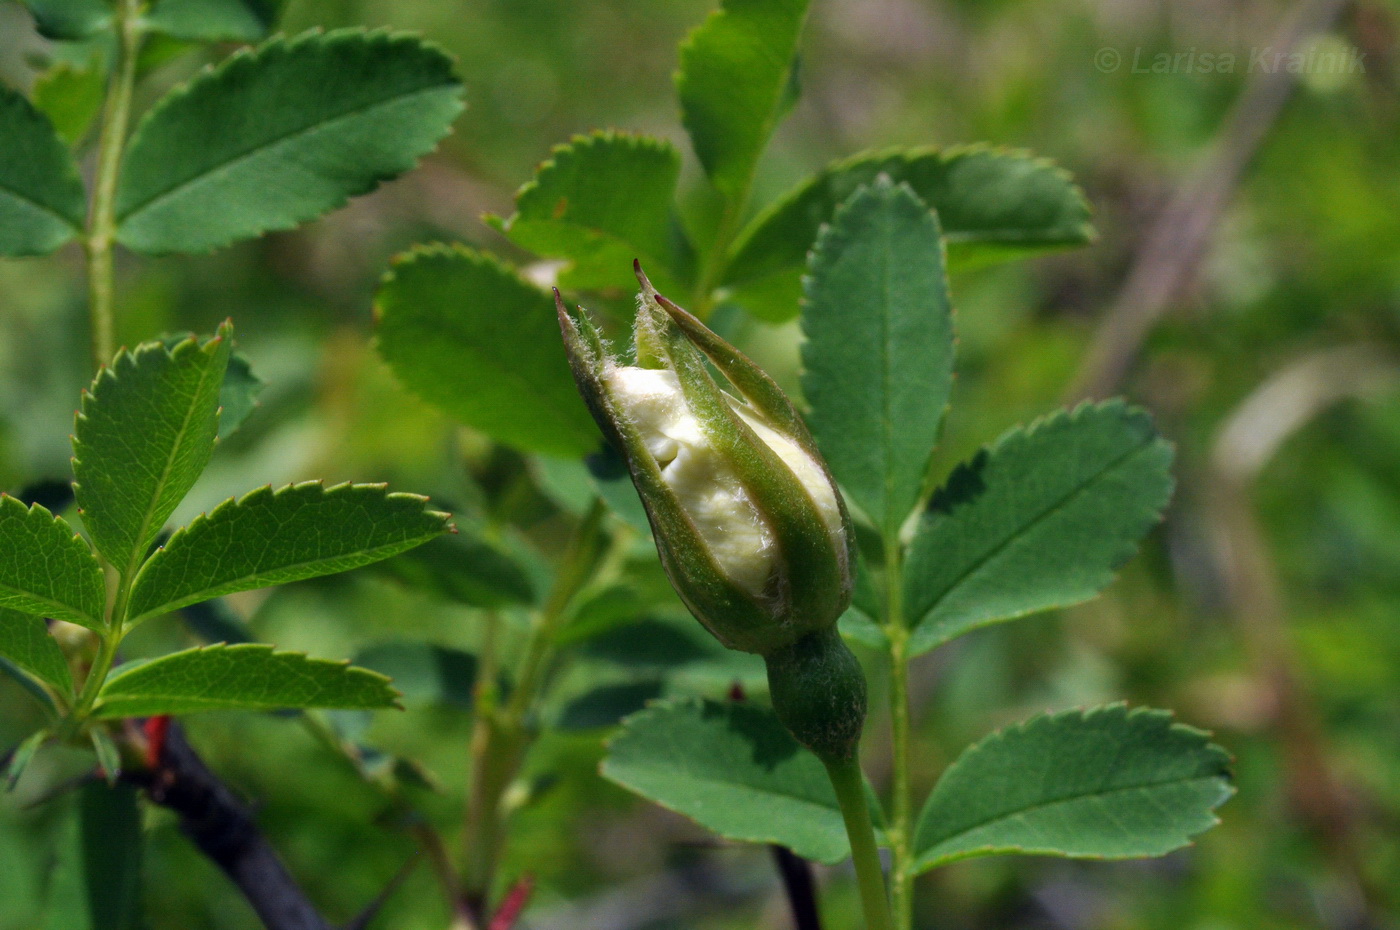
(818, 691)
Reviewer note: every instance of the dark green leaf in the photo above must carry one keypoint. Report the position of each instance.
(601, 201)
(606, 705)
(22, 756)
(734, 769)
(464, 567)
(47, 570)
(42, 203)
(97, 881)
(25, 641)
(274, 138)
(214, 20)
(466, 333)
(1041, 519)
(993, 205)
(879, 349)
(145, 432)
(1108, 783)
(272, 537)
(736, 82)
(30, 684)
(249, 676)
(650, 644)
(426, 674)
(238, 395)
(70, 19)
(70, 97)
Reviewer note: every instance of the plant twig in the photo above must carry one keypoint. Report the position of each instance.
(1173, 247)
(800, 887)
(223, 828)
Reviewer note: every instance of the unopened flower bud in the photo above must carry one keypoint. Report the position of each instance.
(748, 521)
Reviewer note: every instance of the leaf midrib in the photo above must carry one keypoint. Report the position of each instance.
(1056, 802)
(267, 145)
(1025, 528)
(65, 608)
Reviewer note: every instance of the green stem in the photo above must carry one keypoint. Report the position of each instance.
(850, 794)
(901, 824)
(102, 226)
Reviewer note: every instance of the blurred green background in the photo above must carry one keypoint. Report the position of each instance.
(1266, 608)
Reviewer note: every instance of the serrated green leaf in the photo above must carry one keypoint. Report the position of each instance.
(168, 399)
(214, 20)
(1108, 783)
(601, 201)
(70, 97)
(466, 333)
(22, 756)
(42, 202)
(46, 569)
(272, 537)
(70, 19)
(25, 641)
(238, 395)
(879, 352)
(276, 137)
(424, 673)
(249, 676)
(1043, 518)
(96, 883)
(464, 567)
(736, 81)
(734, 769)
(993, 205)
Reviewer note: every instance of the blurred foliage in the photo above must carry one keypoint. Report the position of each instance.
(1304, 259)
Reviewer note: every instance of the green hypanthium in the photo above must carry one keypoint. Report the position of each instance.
(810, 536)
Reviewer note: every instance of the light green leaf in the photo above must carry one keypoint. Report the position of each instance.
(466, 333)
(734, 769)
(42, 203)
(214, 20)
(736, 81)
(1107, 783)
(96, 883)
(601, 201)
(70, 97)
(879, 349)
(250, 676)
(276, 137)
(46, 569)
(70, 19)
(272, 537)
(145, 432)
(993, 205)
(426, 674)
(1043, 518)
(238, 395)
(25, 641)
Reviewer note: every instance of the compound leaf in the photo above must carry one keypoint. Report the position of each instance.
(601, 201)
(46, 569)
(275, 137)
(144, 434)
(1043, 518)
(736, 82)
(250, 676)
(272, 537)
(1107, 783)
(466, 333)
(734, 769)
(42, 203)
(879, 349)
(993, 204)
(25, 641)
